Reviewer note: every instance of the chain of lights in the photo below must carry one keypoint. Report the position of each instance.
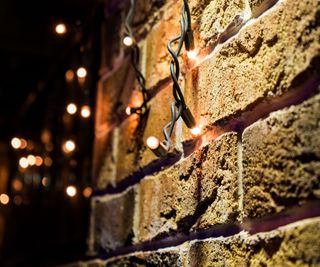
(135, 58)
(178, 107)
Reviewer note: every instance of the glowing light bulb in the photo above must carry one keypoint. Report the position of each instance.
(85, 111)
(192, 54)
(39, 161)
(4, 199)
(45, 181)
(47, 161)
(31, 160)
(153, 142)
(87, 192)
(81, 72)
(23, 162)
(69, 75)
(71, 191)
(24, 143)
(69, 146)
(17, 185)
(72, 108)
(61, 28)
(15, 143)
(195, 130)
(128, 111)
(128, 41)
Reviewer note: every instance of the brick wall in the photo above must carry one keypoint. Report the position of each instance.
(246, 192)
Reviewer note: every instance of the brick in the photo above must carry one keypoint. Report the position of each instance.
(281, 159)
(113, 216)
(129, 154)
(197, 193)
(297, 244)
(218, 18)
(266, 59)
(169, 257)
(260, 6)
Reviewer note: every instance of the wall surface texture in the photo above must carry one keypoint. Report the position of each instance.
(247, 191)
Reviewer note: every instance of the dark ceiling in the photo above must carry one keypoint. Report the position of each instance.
(29, 55)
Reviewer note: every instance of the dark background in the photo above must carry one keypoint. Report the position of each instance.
(48, 228)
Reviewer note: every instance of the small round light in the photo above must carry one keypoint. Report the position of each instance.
(128, 41)
(87, 192)
(39, 161)
(4, 199)
(15, 143)
(81, 72)
(69, 146)
(195, 130)
(192, 54)
(128, 111)
(24, 143)
(17, 185)
(61, 28)
(71, 191)
(85, 111)
(153, 142)
(69, 75)
(17, 200)
(47, 161)
(45, 181)
(31, 160)
(72, 108)
(23, 162)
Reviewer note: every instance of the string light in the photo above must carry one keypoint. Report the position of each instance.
(23, 162)
(179, 107)
(71, 191)
(69, 146)
(85, 111)
(45, 181)
(195, 131)
(81, 72)
(47, 161)
(156, 146)
(192, 54)
(4, 199)
(24, 143)
(17, 185)
(61, 28)
(17, 200)
(135, 58)
(15, 143)
(72, 108)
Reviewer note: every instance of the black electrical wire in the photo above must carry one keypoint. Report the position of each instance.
(179, 105)
(135, 59)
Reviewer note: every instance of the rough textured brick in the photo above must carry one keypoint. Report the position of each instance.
(218, 17)
(297, 244)
(281, 159)
(198, 192)
(170, 257)
(113, 220)
(265, 60)
(259, 6)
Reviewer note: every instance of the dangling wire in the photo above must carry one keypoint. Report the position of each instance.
(135, 59)
(179, 107)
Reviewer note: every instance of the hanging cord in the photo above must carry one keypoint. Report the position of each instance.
(135, 59)
(179, 107)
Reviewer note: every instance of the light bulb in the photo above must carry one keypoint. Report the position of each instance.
(69, 146)
(31, 160)
(61, 28)
(81, 72)
(45, 181)
(156, 147)
(192, 54)
(85, 111)
(128, 41)
(195, 130)
(72, 108)
(47, 161)
(39, 161)
(15, 143)
(4, 199)
(71, 191)
(128, 111)
(69, 75)
(23, 162)
(24, 143)
(87, 192)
